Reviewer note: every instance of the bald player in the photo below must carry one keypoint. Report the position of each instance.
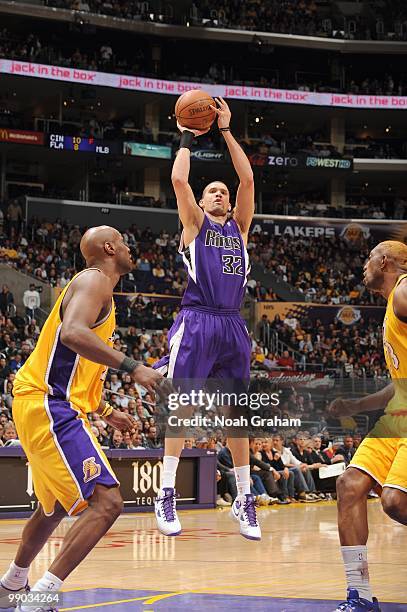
(54, 391)
(381, 459)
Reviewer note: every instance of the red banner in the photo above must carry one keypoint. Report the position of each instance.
(176, 88)
(21, 136)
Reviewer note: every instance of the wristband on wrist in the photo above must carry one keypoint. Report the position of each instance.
(107, 410)
(225, 129)
(128, 365)
(187, 139)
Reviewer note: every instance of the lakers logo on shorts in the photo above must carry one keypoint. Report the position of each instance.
(91, 469)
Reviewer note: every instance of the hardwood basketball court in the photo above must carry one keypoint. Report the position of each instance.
(297, 565)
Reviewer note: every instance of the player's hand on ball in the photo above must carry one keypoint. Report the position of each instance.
(223, 112)
(341, 407)
(195, 132)
(121, 421)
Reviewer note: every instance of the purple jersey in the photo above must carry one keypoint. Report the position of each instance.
(218, 265)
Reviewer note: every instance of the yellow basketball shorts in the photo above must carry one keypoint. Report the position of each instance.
(65, 457)
(383, 453)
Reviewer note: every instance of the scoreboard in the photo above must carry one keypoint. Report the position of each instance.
(79, 143)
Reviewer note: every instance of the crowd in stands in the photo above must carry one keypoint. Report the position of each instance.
(265, 144)
(314, 204)
(375, 148)
(104, 55)
(303, 17)
(128, 9)
(324, 270)
(350, 351)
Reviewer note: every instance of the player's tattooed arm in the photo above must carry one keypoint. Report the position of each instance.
(375, 401)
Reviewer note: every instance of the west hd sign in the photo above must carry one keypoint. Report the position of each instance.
(300, 162)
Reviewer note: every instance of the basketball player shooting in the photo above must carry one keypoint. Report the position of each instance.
(381, 458)
(57, 387)
(209, 338)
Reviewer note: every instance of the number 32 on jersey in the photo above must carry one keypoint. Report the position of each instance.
(232, 264)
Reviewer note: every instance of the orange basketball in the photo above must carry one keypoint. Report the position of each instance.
(193, 111)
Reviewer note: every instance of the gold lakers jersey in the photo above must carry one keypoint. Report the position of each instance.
(55, 369)
(395, 352)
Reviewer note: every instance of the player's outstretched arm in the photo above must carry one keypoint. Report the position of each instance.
(91, 294)
(190, 214)
(244, 209)
(375, 401)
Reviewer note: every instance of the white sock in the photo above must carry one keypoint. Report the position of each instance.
(357, 570)
(49, 583)
(242, 474)
(170, 465)
(15, 578)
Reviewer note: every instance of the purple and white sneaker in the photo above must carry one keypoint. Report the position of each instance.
(166, 512)
(243, 510)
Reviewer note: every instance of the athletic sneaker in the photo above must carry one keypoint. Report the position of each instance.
(306, 498)
(4, 595)
(354, 603)
(222, 503)
(262, 500)
(243, 510)
(166, 512)
(265, 500)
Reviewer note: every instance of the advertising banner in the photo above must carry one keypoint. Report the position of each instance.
(207, 155)
(327, 314)
(304, 380)
(176, 88)
(354, 232)
(300, 162)
(139, 473)
(140, 149)
(21, 136)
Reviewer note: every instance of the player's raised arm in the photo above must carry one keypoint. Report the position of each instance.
(190, 213)
(244, 209)
(91, 295)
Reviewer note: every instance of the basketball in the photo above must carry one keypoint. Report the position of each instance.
(193, 111)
